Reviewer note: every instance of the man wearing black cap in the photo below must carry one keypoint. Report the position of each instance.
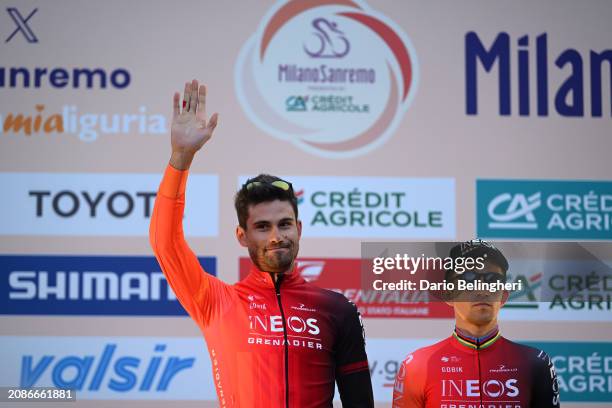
(476, 366)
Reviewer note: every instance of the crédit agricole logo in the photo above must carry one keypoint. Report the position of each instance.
(333, 77)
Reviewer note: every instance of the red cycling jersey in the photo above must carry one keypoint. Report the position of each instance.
(271, 345)
(462, 372)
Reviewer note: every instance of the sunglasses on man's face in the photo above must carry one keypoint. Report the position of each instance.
(282, 184)
(488, 277)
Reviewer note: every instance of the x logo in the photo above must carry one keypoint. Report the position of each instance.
(22, 25)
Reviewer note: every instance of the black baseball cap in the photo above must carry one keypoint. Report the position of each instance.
(479, 248)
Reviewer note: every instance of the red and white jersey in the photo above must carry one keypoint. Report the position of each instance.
(492, 372)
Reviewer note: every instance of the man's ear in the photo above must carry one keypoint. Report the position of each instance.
(241, 236)
(299, 227)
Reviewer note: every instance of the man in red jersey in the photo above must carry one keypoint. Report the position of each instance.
(274, 339)
(476, 367)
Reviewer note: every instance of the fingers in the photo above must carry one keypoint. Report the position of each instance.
(212, 123)
(176, 110)
(194, 100)
(201, 112)
(186, 95)
(193, 97)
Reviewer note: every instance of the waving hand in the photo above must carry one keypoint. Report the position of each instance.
(190, 126)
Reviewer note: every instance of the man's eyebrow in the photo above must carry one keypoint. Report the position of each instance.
(265, 222)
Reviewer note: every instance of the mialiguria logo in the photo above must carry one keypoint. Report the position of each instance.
(333, 77)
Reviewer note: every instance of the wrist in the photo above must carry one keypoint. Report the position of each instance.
(181, 159)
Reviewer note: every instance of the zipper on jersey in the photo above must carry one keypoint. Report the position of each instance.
(479, 371)
(280, 306)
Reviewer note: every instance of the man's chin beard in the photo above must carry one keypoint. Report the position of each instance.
(274, 262)
(271, 267)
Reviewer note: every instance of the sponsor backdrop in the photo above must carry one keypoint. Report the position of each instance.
(394, 120)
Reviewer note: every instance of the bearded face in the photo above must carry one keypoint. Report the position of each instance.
(272, 236)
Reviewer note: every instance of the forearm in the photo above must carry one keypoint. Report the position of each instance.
(179, 264)
(356, 390)
(352, 369)
(202, 295)
(546, 388)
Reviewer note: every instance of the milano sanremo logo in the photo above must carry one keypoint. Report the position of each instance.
(333, 77)
(544, 209)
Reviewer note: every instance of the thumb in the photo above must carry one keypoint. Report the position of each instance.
(212, 123)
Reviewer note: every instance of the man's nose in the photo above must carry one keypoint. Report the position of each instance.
(275, 235)
(482, 295)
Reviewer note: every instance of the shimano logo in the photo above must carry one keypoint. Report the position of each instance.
(59, 77)
(514, 211)
(451, 359)
(503, 369)
(96, 373)
(303, 308)
(89, 285)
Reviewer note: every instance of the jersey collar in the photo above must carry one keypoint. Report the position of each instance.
(264, 279)
(477, 343)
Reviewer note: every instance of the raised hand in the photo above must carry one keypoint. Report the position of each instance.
(190, 127)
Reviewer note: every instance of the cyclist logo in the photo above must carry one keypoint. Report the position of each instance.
(332, 42)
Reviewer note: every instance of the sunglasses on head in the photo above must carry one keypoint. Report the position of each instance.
(282, 184)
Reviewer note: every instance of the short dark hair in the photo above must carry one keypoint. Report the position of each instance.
(262, 191)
